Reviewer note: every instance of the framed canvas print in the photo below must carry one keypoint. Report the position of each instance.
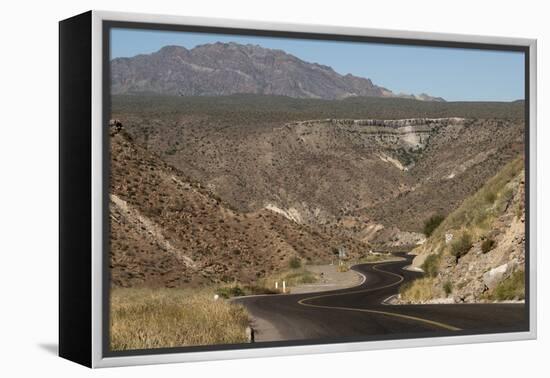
(236, 189)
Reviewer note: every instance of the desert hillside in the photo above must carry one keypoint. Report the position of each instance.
(372, 179)
(169, 231)
(478, 252)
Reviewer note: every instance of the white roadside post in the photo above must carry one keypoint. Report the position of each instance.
(284, 287)
(276, 285)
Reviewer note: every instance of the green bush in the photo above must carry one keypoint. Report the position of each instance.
(431, 265)
(487, 245)
(295, 263)
(432, 223)
(461, 246)
(448, 287)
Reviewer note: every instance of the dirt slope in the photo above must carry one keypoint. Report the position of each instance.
(167, 230)
(478, 252)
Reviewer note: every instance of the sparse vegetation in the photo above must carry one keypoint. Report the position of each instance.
(292, 277)
(490, 197)
(258, 108)
(159, 318)
(476, 214)
(431, 265)
(294, 262)
(298, 277)
(379, 257)
(461, 245)
(238, 290)
(432, 223)
(483, 216)
(418, 290)
(342, 268)
(448, 287)
(487, 245)
(230, 291)
(512, 287)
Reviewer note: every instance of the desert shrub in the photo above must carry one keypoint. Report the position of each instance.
(230, 291)
(512, 287)
(487, 245)
(461, 245)
(299, 277)
(171, 151)
(448, 287)
(432, 223)
(295, 263)
(418, 290)
(257, 289)
(431, 265)
(292, 277)
(490, 196)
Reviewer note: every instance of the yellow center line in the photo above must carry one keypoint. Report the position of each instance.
(387, 313)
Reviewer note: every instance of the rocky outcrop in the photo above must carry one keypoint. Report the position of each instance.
(474, 271)
(384, 124)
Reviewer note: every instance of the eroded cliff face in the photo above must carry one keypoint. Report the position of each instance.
(398, 140)
(478, 253)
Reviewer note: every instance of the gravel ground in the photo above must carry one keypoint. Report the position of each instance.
(331, 279)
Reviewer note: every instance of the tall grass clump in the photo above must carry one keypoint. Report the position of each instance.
(161, 318)
(418, 290)
(487, 245)
(431, 224)
(462, 245)
(431, 265)
(448, 287)
(512, 287)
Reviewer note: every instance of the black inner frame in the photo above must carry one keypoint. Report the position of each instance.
(107, 25)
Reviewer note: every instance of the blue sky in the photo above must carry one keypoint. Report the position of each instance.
(454, 74)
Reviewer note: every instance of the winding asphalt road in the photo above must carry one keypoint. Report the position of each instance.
(359, 311)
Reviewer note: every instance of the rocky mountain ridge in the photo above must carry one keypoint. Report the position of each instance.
(228, 68)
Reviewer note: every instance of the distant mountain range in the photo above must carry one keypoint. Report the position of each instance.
(229, 68)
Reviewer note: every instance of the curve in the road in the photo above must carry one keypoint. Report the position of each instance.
(400, 279)
(359, 311)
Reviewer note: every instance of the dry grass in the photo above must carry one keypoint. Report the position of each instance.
(382, 257)
(158, 318)
(512, 288)
(478, 212)
(292, 277)
(418, 290)
(342, 268)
